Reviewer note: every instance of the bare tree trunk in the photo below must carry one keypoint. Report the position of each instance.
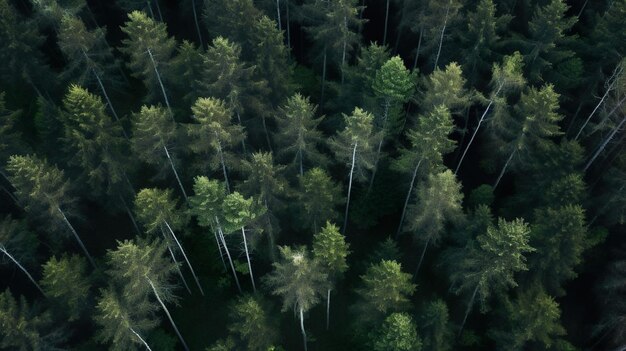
(221, 153)
(419, 44)
(386, 21)
(468, 310)
(158, 7)
(195, 19)
(150, 9)
(140, 338)
(419, 264)
(130, 215)
(280, 27)
(245, 245)
(180, 184)
(10, 195)
(288, 31)
(167, 312)
(604, 144)
(408, 196)
(185, 256)
(445, 23)
(345, 220)
(328, 309)
(302, 328)
(80, 242)
(219, 248)
(380, 143)
(343, 51)
(506, 165)
(581, 9)
(243, 142)
(169, 248)
(167, 101)
(323, 79)
(4, 250)
(230, 260)
(267, 134)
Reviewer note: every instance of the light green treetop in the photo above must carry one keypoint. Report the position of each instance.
(331, 250)
(397, 333)
(65, 281)
(154, 207)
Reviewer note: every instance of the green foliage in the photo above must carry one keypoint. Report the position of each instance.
(250, 325)
(393, 85)
(444, 88)
(239, 212)
(264, 180)
(206, 204)
(319, 197)
(482, 195)
(64, 280)
(435, 327)
(153, 131)
(18, 240)
(10, 137)
(232, 19)
(398, 333)
(186, 67)
(155, 207)
(331, 250)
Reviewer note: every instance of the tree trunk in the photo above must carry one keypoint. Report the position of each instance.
(4, 250)
(140, 338)
(506, 165)
(130, 215)
(180, 184)
(581, 9)
(386, 21)
(230, 260)
(267, 134)
(167, 101)
(380, 144)
(604, 144)
(80, 242)
(345, 220)
(328, 309)
(408, 196)
(169, 248)
(243, 142)
(167, 312)
(468, 310)
(302, 328)
(185, 256)
(323, 79)
(280, 27)
(195, 19)
(221, 153)
(419, 44)
(343, 51)
(419, 264)
(10, 194)
(301, 166)
(287, 20)
(150, 9)
(158, 7)
(443, 29)
(219, 248)
(245, 245)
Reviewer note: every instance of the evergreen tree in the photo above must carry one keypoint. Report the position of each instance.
(319, 197)
(65, 282)
(186, 67)
(360, 78)
(232, 19)
(444, 88)
(398, 333)
(18, 244)
(11, 140)
(251, 325)
(435, 327)
(300, 280)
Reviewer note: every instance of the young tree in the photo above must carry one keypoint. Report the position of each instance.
(215, 136)
(299, 280)
(42, 189)
(505, 79)
(250, 325)
(298, 135)
(65, 282)
(435, 327)
(148, 47)
(384, 289)
(354, 147)
(158, 211)
(429, 141)
(154, 136)
(397, 333)
(488, 265)
(330, 250)
(18, 244)
(438, 202)
(319, 197)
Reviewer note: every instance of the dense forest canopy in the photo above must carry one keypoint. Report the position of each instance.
(392, 175)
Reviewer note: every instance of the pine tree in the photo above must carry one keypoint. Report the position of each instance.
(300, 280)
(43, 190)
(354, 146)
(435, 327)
(251, 325)
(438, 202)
(397, 333)
(18, 244)
(232, 19)
(298, 137)
(65, 282)
(319, 197)
(215, 136)
(331, 250)
(444, 88)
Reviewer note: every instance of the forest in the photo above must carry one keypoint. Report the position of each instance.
(281, 175)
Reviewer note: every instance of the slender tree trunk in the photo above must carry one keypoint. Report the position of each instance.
(328, 309)
(386, 21)
(30, 277)
(445, 23)
(140, 338)
(614, 78)
(267, 134)
(300, 160)
(245, 245)
(419, 45)
(468, 310)
(195, 19)
(270, 233)
(185, 256)
(243, 142)
(169, 248)
(280, 27)
(230, 260)
(158, 7)
(302, 328)
(380, 143)
(10, 195)
(219, 248)
(180, 184)
(167, 312)
(287, 20)
(582, 8)
(221, 153)
(80, 242)
(167, 101)
(506, 165)
(345, 220)
(343, 51)
(408, 196)
(323, 79)
(130, 215)
(604, 144)
(150, 9)
(480, 121)
(419, 264)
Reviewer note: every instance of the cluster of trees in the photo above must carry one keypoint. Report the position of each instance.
(178, 175)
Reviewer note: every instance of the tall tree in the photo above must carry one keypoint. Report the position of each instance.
(438, 202)
(319, 197)
(397, 333)
(299, 280)
(251, 325)
(18, 244)
(435, 327)
(43, 190)
(66, 283)
(331, 250)
(298, 135)
(444, 87)
(233, 19)
(354, 146)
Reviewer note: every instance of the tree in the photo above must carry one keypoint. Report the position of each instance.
(11, 139)
(319, 197)
(299, 280)
(354, 146)
(154, 134)
(148, 47)
(435, 327)
(611, 291)
(186, 67)
(251, 325)
(505, 79)
(18, 244)
(489, 264)
(43, 190)
(232, 19)
(65, 282)
(215, 135)
(158, 211)
(444, 88)
(331, 250)
(429, 141)
(298, 136)
(438, 202)
(384, 289)
(398, 333)
(142, 271)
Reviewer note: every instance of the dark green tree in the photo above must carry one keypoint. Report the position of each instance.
(435, 327)
(18, 244)
(65, 282)
(319, 197)
(250, 325)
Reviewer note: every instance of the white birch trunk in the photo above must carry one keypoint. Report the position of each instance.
(180, 273)
(345, 220)
(167, 312)
(280, 27)
(195, 19)
(343, 52)
(80, 242)
(419, 264)
(30, 277)
(419, 44)
(380, 143)
(221, 153)
(185, 256)
(386, 21)
(328, 309)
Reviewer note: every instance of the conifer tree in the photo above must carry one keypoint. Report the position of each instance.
(354, 146)
(65, 282)
(435, 327)
(43, 190)
(299, 280)
(251, 325)
(444, 87)
(215, 136)
(143, 5)
(360, 78)
(52, 11)
(397, 333)
(298, 136)
(232, 19)
(438, 202)
(18, 244)
(331, 250)
(319, 197)
(186, 67)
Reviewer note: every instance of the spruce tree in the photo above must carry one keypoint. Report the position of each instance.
(65, 282)
(18, 244)
(397, 333)
(251, 325)
(435, 327)
(319, 197)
